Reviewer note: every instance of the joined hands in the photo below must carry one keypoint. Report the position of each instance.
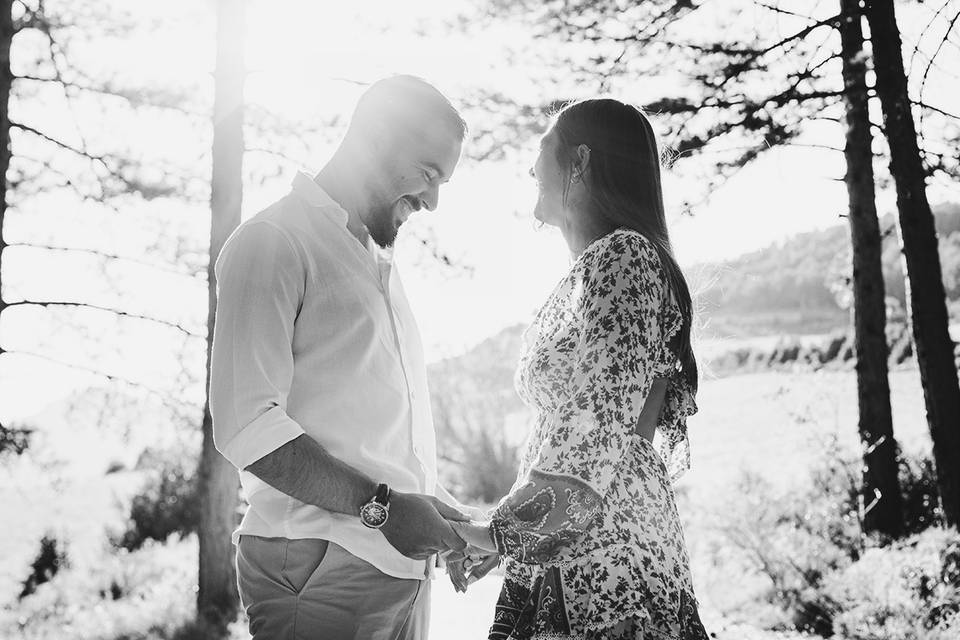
(421, 526)
(476, 560)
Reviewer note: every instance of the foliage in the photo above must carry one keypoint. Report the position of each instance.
(906, 591)
(808, 543)
(921, 502)
(473, 401)
(488, 465)
(50, 559)
(784, 288)
(728, 83)
(169, 503)
(15, 439)
(147, 594)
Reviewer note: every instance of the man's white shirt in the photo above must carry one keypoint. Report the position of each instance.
(314, 335)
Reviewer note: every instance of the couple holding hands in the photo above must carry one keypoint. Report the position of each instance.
(319, 395)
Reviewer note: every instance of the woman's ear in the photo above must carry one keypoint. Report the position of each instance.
(582, 160)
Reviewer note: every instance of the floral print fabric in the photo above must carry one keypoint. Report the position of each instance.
(590, 532)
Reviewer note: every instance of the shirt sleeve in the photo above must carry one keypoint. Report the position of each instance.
(614, 357)
(260, 287)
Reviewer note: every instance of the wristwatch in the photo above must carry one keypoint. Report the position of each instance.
(374, 514)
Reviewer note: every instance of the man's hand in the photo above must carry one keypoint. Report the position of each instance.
(419, 527)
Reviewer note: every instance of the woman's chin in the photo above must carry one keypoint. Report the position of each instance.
(544, 218)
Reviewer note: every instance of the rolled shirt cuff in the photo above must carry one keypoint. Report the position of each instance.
(265, 434)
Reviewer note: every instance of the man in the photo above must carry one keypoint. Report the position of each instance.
(318, 386)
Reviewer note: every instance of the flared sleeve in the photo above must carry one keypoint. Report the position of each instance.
(613, 353)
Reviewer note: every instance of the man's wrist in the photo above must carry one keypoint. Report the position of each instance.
(376, 511)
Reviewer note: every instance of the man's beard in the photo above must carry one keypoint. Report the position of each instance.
(382, 227)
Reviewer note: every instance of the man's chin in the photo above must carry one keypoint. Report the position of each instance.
(385, 237)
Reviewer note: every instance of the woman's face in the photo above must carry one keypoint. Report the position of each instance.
(550, 181)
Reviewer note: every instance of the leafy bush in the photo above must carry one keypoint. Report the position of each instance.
(169, 503)
(905, 591)
(14, 439)
(809, 544)
(488, 465)
(921, 498)
(50, 559)
(157, 598)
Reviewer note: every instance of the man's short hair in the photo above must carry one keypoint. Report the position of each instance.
(405, 103)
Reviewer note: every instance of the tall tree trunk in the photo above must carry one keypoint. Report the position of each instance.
(6, 78)
(928, 309)
(881, 482)
(217, 596)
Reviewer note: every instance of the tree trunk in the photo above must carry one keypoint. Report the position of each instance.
(6, 78)
(217, 596)
(881, 483)
(925, 292)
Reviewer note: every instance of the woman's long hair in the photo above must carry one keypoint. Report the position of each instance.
(624, 183)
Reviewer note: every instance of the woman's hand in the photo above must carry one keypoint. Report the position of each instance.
(464, 569)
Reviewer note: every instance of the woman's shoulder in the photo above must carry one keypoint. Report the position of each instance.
(624, 250)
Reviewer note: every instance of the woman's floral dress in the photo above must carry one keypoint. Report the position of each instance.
(590, 532)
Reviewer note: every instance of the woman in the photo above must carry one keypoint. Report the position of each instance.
(590, 532)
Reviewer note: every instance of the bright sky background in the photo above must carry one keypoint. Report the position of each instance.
(304, 58)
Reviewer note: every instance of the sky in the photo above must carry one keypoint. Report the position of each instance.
(307, 61)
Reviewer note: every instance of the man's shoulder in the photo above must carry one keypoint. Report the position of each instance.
(283, 219)
(285, 215)
(276, 227)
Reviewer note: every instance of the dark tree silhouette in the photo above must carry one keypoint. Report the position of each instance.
(880, 469)
(925, 291)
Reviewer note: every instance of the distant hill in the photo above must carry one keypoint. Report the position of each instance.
(801, 285)
(477, 387)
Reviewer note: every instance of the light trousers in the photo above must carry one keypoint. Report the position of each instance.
(315, 590)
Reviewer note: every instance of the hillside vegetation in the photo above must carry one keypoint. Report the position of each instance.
(802, 285)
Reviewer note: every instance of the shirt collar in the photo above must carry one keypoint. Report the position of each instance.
(313, 194)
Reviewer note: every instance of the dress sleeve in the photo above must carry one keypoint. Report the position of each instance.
(613, 357)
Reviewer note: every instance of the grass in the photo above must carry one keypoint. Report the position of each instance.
(771, 424)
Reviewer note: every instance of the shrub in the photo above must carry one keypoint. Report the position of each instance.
(14, 439)
(904, 591)
(50, 559)
(808, 543)
(169, 503)
(921, 497)
(488, 464)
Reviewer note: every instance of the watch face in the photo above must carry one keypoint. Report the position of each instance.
(373, 514)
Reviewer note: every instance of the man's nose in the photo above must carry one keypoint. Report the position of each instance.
(431, 197)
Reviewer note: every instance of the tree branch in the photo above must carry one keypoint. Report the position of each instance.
(776, 9)
(923, 32)
(107, 90)
(936, 109)
(117, 312)
(109, 256)
(174, 403)
(923, 81)
(61, 144)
